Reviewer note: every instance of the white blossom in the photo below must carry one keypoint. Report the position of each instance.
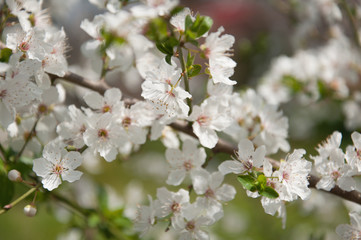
(57, 165)
(353, 231)
(208, 118)
(247, 158)
(189, 160)
(217, 49)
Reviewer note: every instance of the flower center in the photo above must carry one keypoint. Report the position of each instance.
(103, 133)
(248, 165)
(106, 108)
(42, 108)
(335, 175)
(175, 207)
(285, 176)
(203, 120)
(188, 165)
(126, 122)
(24, 46)
(58, 169)
(209, 193)
(190, 226)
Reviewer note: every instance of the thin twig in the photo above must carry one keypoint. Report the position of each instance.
(22, 197)
(185, 76)
(99, 87)
(3, 155)
(27, 140)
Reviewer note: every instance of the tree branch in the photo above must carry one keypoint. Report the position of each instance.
(99, 87)
(221, 147)
(225, 147)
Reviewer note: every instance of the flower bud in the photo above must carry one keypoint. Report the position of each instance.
(30, 210)
(14, 175)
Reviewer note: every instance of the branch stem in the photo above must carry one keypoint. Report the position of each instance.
(185, 76)
(22, 197)
(28, 138)
(221, 147)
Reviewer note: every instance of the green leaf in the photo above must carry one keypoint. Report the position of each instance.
(176, 10)
(292, 83)
(204, 26)
(165, 48)
(6, 189)
(188, 22)
(201, 25)
(109, 39)
(157, 30)
(194, 70)
(247, 182)
(190, 59)
(269, 192)
(262, 179)
(5, 54)
(168, 59)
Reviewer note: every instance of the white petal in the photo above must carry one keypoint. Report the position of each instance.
(51, 182)
(346, 183)
(71, 176)
(94, 100)
(356, 139)
(176, 177)
(200, 180)
(216, 180)
(207, 137)
(174, 157)
(326, 183)
(231, 166)
(112, 95)
(245, 149)
(72, 160)
(225, 193)
(109, 154)
(41, 167)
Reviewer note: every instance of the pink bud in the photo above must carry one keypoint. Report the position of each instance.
(14, 175)
(30, 210)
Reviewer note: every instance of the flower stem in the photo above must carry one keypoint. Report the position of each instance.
(3, 154)
(26, 141)
(185, 76)
(22, 197)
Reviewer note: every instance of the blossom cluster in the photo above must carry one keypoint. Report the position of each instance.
(314, 71)
(168, 47)
(335, 166)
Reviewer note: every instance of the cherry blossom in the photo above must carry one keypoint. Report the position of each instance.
(57, 165)
(208, 118)
(247, 159)
(353, 231)
(189, 160)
